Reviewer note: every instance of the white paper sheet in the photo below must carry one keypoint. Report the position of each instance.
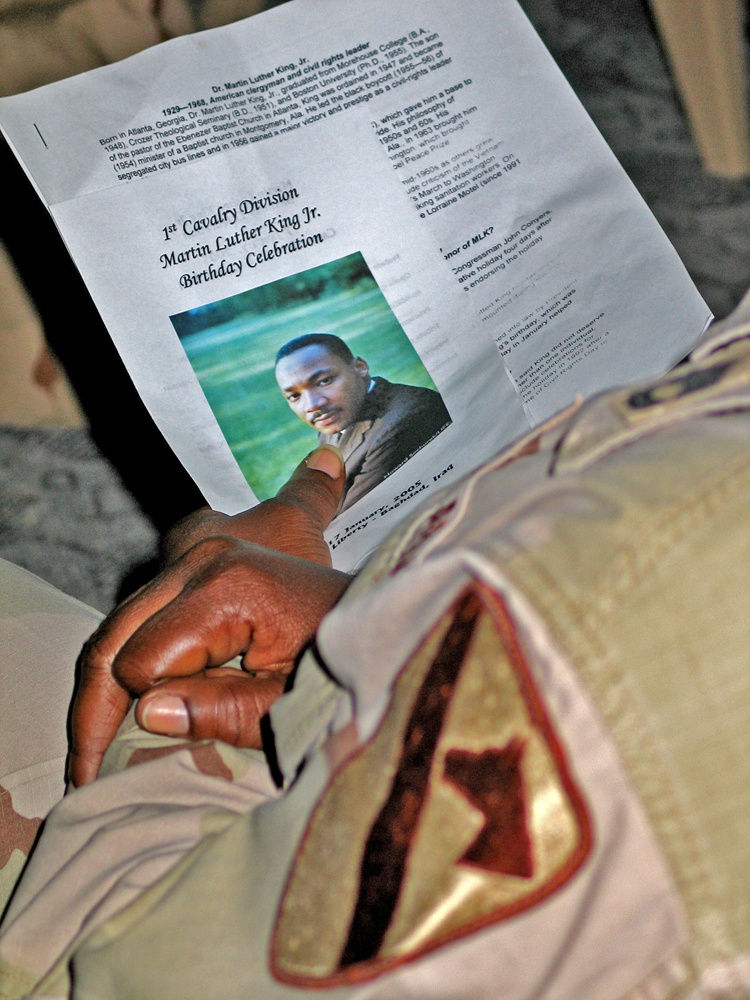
(418, 179)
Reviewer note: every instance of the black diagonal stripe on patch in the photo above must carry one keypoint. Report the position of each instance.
(387, 848)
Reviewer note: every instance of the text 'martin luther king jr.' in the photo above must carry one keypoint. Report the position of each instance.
(376, 424)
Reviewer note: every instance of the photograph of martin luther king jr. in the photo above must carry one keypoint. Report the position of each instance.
(378, 425)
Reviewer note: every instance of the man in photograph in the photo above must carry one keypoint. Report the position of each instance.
(375, 423)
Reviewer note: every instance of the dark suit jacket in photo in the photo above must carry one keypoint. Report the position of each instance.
(395, 422)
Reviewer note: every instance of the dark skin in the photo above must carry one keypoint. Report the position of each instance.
(256, 584)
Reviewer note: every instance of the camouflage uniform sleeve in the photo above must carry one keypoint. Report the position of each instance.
(541, 786)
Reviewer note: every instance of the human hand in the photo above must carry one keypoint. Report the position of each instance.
(222, 596)
(293, 521)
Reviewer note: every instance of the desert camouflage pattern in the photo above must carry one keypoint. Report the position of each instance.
(41, 634)
(515, 763)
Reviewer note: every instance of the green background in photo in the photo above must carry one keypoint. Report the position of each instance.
(231, 345)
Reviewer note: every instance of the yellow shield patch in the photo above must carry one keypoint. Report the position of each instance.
(459, 813)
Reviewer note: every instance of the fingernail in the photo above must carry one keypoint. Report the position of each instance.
(326, 459)
(167, 716)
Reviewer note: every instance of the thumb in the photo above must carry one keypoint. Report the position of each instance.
(317, 485)
(292, 522)
(307, 503)
(225, 705)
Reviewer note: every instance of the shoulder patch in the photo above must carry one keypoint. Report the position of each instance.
(710, 387)
(462, 811)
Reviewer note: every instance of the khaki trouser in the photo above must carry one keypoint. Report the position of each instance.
(516, 764)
